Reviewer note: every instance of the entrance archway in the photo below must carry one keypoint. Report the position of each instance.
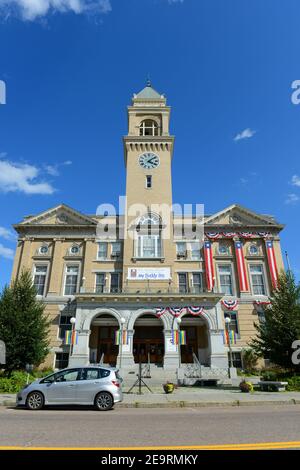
(148, 340)
(102, 340)
(197, 340)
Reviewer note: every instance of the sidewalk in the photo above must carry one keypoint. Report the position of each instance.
(194, 397)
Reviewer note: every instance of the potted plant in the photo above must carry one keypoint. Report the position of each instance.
(246, 387)
(168, 387)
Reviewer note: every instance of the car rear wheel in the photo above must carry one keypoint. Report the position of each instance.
(104, 401)
(35, 401)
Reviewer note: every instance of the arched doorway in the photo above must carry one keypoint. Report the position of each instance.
(197, 341)
(148, 340)
(102, 340)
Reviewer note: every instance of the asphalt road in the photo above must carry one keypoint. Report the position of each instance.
(149, 427)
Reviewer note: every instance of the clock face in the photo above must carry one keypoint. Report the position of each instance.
(148, 161)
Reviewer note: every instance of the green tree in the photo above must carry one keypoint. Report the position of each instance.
(23, 325)
(281, 326)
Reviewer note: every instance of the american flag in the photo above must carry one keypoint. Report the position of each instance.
(243, 280)
(272, 263)
(209, 266)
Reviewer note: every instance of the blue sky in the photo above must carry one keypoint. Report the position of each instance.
(226, 67)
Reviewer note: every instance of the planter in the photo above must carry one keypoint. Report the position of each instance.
(168, 387)
(246, 387)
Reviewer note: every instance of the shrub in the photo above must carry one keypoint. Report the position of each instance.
(246, 387)
(250, 359)
(293, 384)
(269, 376)
(13, 382)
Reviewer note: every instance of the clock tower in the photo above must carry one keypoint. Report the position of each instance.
(148, 150)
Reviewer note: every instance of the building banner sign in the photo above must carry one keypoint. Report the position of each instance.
(149, 274)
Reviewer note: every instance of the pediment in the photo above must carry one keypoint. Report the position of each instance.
(238, 216)
(59, 215)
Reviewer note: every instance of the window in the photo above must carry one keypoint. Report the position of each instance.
(253, 250)
(148, 127)
(148, 181)
(100, 282)
(195, 251)
(115, 282)
(183, 283)
(102, 250)
(261, 316)
(61, 360)
(225, 277)
(149, 246)
(71, 282)
(197, 282)
(94, 374)
(39, 279)
(233, 325)
(257, 279)
(74, 250)
(236, 359)
(64, 325)
(44, 249)
(67, 375)
(223, 249)
(116, 249)
(181, 249)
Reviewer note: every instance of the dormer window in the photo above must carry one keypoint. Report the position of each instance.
(148, 128)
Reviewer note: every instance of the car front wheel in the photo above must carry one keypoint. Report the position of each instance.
(35, 401)
(104, 401)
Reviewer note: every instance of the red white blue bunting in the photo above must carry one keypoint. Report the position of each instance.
(216, 235)
(177, 311)
(258, 304)
(229, 304)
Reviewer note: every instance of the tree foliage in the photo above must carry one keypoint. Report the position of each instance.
(281, 327)
(23, 325)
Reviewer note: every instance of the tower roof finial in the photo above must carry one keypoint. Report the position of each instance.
(148, 80)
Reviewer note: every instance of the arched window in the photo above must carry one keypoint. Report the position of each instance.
(148, 127)
(148, 237)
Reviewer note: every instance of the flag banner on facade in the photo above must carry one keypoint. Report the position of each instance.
(177, 311)
(121, 337)
(216, 235)
(241, 267)
(229, 337)
(209, 266)
(178, 337)
(261, 303)
(272, 262)
(229, 304)
(71, 337)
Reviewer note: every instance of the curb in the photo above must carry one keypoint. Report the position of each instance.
(188, 404)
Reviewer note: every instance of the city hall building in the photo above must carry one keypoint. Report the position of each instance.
(140, 287)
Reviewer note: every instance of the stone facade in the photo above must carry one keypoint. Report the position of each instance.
(113, 272)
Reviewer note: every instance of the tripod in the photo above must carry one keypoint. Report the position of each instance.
(139, 382)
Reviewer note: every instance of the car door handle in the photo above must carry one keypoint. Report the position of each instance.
(71, 385)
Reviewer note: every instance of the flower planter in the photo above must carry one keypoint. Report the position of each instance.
(168, 387)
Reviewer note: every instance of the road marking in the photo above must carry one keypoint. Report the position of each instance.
(246, 446)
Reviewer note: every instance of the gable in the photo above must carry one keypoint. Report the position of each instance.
(59, 215)
(239, 216)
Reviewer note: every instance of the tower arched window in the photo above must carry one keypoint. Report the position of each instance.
(149, 127)
(148, 237)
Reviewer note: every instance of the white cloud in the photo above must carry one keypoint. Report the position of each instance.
(17, 177)
(53, 170)
(7, 253)
(292, 198)
(245, 134)
(32, 9)
(295, 180)
(6, 234)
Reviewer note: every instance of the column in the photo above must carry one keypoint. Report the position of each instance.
(171, 358)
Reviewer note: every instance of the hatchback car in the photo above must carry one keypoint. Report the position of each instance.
(90, 385)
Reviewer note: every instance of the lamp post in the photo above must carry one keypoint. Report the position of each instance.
(179, 346)
(72, 321)
(121, 344)
(227, 323)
